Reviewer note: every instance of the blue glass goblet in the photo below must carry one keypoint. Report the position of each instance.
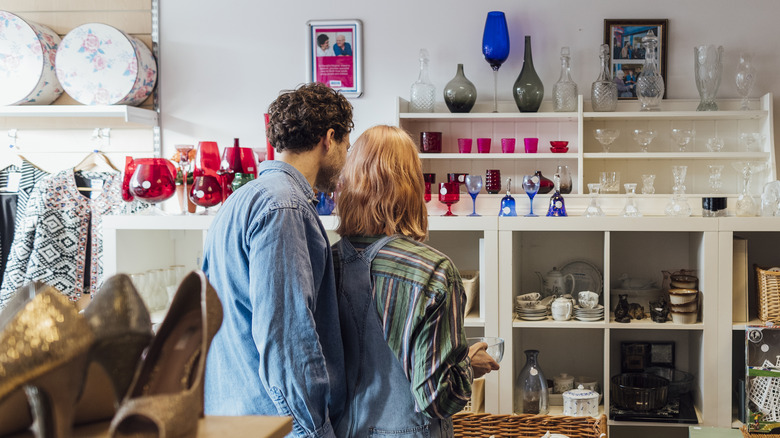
(495, 47)
(531, 185)
(474, 185)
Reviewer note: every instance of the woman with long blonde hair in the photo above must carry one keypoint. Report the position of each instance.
(401, 301)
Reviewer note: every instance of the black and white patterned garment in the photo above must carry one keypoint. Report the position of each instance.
(51, 244)
(31, 175)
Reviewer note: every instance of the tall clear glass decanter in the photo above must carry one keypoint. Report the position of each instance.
(650, 85)
(565, 90)
(531, 387)
(423, 93)
(603, 92)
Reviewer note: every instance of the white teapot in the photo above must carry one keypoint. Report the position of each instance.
(554, 282)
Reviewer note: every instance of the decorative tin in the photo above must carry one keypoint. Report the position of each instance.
(27, 52)
(100, 65)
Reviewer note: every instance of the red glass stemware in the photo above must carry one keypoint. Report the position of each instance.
(153, 180)
(206, 191)
(207, 160)
(449, 194)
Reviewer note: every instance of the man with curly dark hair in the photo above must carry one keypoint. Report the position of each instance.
(279, 350)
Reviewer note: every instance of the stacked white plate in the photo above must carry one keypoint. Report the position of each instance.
(588, 315)
(535, 313)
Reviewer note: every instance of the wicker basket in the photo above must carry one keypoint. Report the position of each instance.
(528, 425)
(768, 286)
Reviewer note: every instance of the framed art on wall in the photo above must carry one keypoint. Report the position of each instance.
(335, 55)
(627, 55)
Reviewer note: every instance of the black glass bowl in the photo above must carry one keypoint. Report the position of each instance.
(639, 391)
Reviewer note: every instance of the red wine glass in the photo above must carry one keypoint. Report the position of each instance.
(206, 191)
(449, 193)
(153, 181)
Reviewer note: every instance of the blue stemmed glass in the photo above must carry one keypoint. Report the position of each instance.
(531, 185)
(474, 185)
(495, 47)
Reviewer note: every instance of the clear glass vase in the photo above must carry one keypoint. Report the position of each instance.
(531, 387)
(460, 94)
(528, 89)
(423, 93)
(565, 90)
(708, 66)
(650, 85)
(603, 92)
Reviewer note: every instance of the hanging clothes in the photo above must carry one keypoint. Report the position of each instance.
(7, 215)
(50, 244)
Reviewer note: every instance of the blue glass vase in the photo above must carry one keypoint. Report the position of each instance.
(495, 47)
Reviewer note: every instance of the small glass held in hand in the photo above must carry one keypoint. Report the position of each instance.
(474, 186)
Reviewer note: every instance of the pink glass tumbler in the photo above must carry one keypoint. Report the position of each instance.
(531, 144)
(464, 145)
(508, 145)
(483, 145)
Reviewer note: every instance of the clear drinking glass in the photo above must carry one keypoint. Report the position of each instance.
(682, 137)
(716, 171)
(746, 77)
(473, 185)
(606, 137)
(644, 137)
(610, 182)
(647, 184)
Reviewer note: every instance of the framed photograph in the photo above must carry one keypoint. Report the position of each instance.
(627, 55)
(335, 55)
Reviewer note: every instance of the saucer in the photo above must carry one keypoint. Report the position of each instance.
(559, 150)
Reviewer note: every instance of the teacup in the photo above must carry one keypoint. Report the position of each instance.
(529, 304)
(533, 296)
(588, 299)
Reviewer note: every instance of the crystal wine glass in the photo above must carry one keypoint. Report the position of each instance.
(682, 137)
(206, 192)
(750, 141)
(606, 137)
(746, 77)
(474, 185)
(594, 209)
(714, 144)
(449, 193)
(531, 186)
(153, 181)
(184, 167)
(644, 137)
(495, 47)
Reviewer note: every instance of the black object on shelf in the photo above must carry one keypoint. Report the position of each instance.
(678, 410)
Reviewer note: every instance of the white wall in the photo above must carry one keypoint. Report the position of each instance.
(223, 62)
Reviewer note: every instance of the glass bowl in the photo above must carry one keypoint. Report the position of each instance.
(680, 382)
(639, 391)
(495, 346)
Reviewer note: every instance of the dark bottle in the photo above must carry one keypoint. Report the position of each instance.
(460, 94)
(545, 184)
(528, 89)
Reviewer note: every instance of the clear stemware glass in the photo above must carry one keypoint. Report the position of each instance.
(644, 137)
(593, 209)
(715, 144)
(449, 193)
(716, 170)
(531, 187)
(750, 141)
(647, 184)
(495, 47)
(630, 209)
(473, 185)
(184, 168)
(606, 137)
(746, 77)
(682, 137)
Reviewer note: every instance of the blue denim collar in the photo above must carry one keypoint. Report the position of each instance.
(295, 174)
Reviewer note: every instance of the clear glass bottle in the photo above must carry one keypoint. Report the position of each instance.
(630, 209)
(557, 206)
(423, 93)
(565, 90)
(531, 387)
(508, 205)
(603, 92)
(650, 85)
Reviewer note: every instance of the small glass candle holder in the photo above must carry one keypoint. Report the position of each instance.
(631, 209)
(593, 209)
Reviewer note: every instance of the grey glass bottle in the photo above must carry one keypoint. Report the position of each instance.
(460, 94)
(528, 89)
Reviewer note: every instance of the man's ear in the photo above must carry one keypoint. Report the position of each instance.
(329, 139)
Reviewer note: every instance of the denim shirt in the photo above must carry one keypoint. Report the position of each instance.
(279, 351)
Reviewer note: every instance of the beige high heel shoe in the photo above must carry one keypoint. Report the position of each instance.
(166, 396)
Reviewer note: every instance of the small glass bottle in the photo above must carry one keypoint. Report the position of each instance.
(531, 387)
(508, 202)
(650, 84)
(630, 209)
(557, 206)
(603, 93)
(565, 90)
(423, 93)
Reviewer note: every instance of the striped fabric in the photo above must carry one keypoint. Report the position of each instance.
(420, 299)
